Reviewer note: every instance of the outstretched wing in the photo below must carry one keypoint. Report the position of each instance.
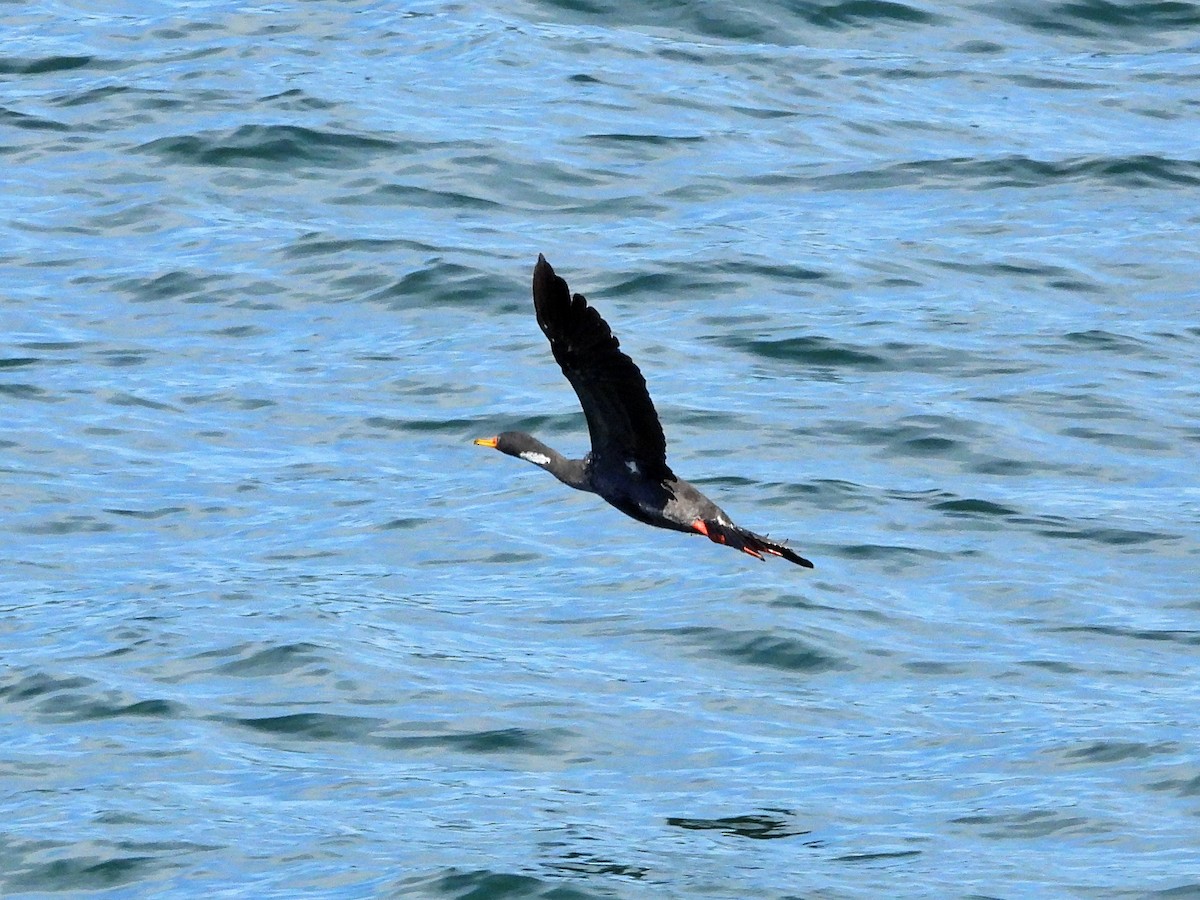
(621, 418)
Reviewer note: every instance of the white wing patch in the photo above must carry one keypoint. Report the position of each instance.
(538, 459)
(632, 467)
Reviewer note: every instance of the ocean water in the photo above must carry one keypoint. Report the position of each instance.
(914, 286)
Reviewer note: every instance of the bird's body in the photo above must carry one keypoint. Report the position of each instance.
(627, 465)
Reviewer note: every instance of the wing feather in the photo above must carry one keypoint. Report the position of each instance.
(622, 421)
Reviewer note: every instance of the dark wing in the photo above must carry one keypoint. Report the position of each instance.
(620, 415)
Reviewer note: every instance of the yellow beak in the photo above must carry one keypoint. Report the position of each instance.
(486, 442)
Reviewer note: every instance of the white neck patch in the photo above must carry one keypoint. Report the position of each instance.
(538, 459)
(632, 467)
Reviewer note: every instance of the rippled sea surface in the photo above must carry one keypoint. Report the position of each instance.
(915, 286)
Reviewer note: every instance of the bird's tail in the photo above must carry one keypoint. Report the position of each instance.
(749, 542)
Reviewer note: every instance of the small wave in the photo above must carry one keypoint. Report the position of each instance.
(269, 147)
(765, 825)
(481, 883)
(270, 661)
(1028, 824)
(1183, 638)
(369, 730)
(971, 507)
(18, 65)
(76, 699)
(759, 648)
(1136, 171)
(766, 24)
(1099, 19)
(177, 284)
(442, 283)
(856, 13)
(80, 873)
(29, 122)
(1108, 752)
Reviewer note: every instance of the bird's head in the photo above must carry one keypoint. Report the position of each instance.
(519, 444)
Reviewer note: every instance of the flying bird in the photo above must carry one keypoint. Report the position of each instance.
(627, 465)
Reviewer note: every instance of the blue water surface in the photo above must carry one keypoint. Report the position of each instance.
(914, 287)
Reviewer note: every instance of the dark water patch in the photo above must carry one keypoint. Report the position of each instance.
(23, 391)
(499, 740)
(863, 13)
(832, 493)
(963, 173)
(1027, 824)
(63, 525)
(751, 24)
(270, 147)
(272, 661)
(828, 355)
(760, 112)
(769, 824)
(1078, 405)
(915, 436)
(1098, 339)
(668, 284)
(654, 140)
(95, 95)
(1062, 529)
(295, 100)
(508, 559)
(623, 206)
(1189, 891)
(934, 668)
(1182, 638)
(980, 47)
(29, 687)
(52, 346)
(19, 65)
(1006, 268)
(1117, 439)
(1107, 752)
(702, 421)
(1181, 787)
(317, 244)
(928, 446)
(767, 650)
(316, 726)
(74, 706)
(422, 426)
(17, 362)
(1057, 666)
(442, 283)
(406, 524)
(14, 119)
(175, 285)
(81, 873)
(238, 331)
(878, 856)
(122, 399)
(746, 269)
(577, 863)
(810, 351)
(248, 404)
(728, 482)
(147, 514)
(484, 884)
(119, 359)
(405, 195)
(972, 508)
(1102, 19)
(372, 731)
(885, 553)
